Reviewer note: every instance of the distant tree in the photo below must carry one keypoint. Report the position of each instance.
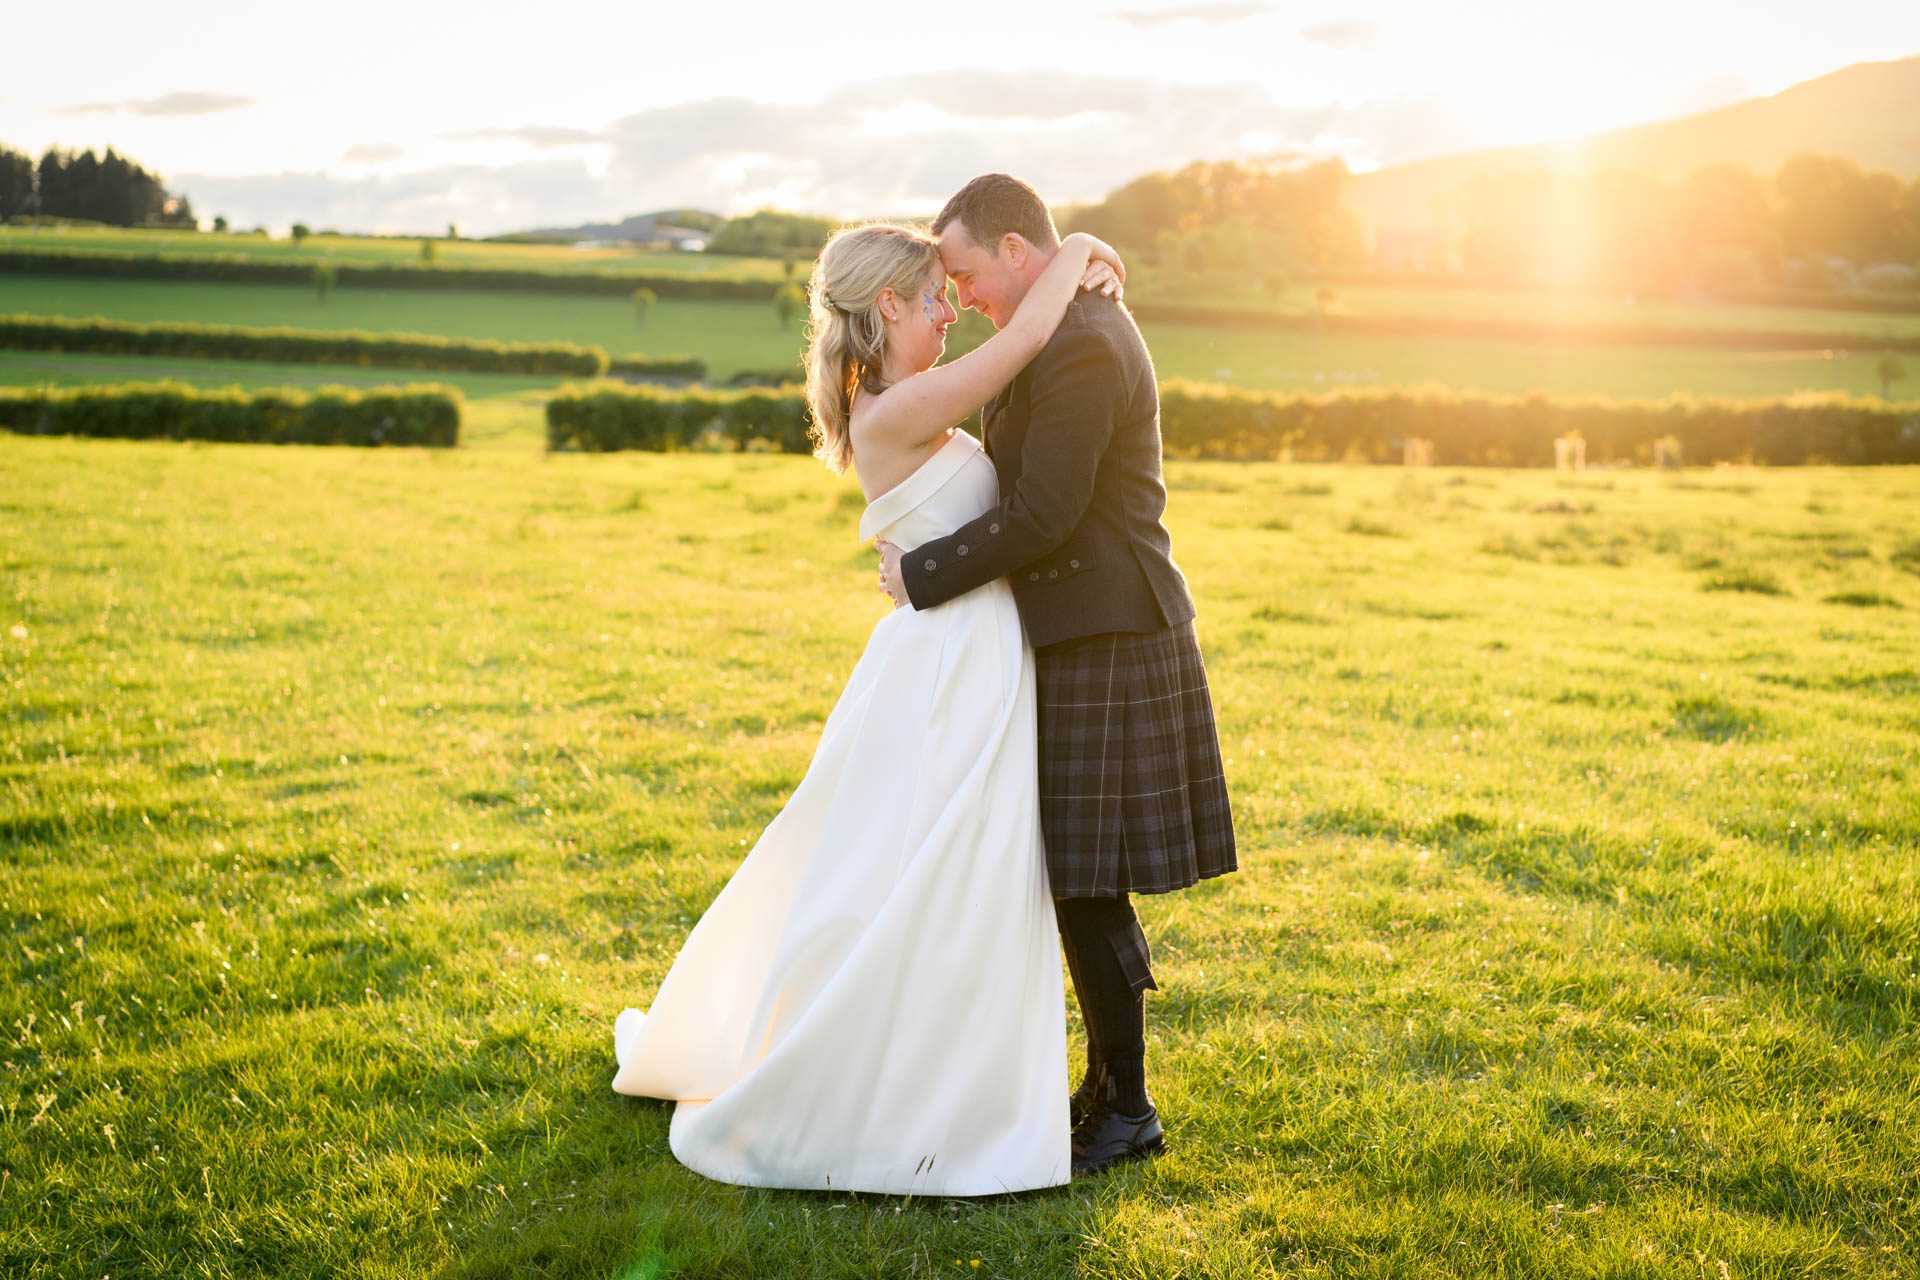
(109, 189)
(643, 300)
(300, 232)
(1890, 369)
(427, 253)
(788, 303)
(1829, 205)
(770, 233)
(323, 278)
(453, 232)
(16, 184)
(788, 268)
(220, 223)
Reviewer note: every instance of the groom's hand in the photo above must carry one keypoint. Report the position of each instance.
(890, 580)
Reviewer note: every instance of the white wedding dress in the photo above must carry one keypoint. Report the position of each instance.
(874, 1001)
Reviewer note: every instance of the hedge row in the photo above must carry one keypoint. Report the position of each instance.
(300, 346)
(1200, 421)
(687, 368)
(424, 414)
(600, 419)
(232, 268)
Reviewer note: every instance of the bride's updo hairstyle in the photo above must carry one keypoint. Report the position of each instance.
(846, 334)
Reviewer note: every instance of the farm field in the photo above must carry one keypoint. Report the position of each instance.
(388, 251)
(730, 335)
(65, 369)
(733, 336)
(346, 796)
(1300, 299)
(1531, 305)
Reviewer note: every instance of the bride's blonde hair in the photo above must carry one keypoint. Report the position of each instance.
(846, 334)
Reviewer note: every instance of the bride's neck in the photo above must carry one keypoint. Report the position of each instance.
(894, 369)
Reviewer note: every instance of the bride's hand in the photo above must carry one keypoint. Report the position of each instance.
(1102, 277)
(1099, 250)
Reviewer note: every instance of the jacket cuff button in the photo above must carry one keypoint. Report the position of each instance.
(993, 528)
(1053, 573)
(930, 566)
(1073, 564)
(1033, 577)
(961, 549)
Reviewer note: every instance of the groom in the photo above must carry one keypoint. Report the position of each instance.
(1132, 795)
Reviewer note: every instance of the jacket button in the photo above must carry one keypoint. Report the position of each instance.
(962, 548)
(1053, 573)
(1073, 564)
(1033, 577)
(931, 566)
(993, 528)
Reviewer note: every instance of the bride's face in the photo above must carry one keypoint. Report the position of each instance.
(919, 333)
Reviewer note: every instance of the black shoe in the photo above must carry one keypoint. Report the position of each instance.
(1097, 1087)
(1106, 1137)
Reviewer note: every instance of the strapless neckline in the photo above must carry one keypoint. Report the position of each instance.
(926, 480)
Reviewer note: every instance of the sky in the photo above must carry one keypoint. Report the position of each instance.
(404, 116)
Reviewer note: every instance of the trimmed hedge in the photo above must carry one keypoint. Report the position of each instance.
(232, 267)
(300, 346)
(1203, 421)
(600, 418)
(687, 368)
(1467, 429)
(425, 414)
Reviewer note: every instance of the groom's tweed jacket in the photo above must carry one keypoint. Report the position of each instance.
(1078, 534)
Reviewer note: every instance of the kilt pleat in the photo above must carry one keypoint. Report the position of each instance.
(1133, 796)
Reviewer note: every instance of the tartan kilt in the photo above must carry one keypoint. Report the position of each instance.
(1133, 798)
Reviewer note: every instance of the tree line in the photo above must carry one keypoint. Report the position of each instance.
(81, 185)
(1820, 222)
(1226, 229)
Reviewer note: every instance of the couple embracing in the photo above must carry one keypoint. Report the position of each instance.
(874, 1002)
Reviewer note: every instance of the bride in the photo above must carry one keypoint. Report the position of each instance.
(874, 1001)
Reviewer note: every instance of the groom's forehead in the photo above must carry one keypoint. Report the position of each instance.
(958, 252)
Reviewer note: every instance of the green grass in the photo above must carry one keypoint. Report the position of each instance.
(63, 369)
(347, 795)
(1314, 362)
(384, 251)
(733, 336)
(1358, 300)
(1544, 306)
(730, 335)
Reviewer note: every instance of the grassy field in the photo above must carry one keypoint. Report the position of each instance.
(346, 796)
(385, 251)
(734, 336)
(64, 369)
(1357, 300)
(730, 335)
(1542, 306)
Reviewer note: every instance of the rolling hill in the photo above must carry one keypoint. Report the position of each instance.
(1869, 111)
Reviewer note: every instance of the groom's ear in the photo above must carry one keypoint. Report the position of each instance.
(1014, 247)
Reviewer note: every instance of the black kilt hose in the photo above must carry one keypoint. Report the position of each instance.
(1133, 798)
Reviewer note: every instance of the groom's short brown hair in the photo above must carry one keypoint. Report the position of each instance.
(996, 203)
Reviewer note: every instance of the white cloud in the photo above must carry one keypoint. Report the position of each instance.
(181, 103)
(1344, 35)
(881, 147)
(534, 135)
(1210, 14)
(370, 153)
(481, 200)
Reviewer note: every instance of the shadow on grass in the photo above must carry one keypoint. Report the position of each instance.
(603, 1196)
